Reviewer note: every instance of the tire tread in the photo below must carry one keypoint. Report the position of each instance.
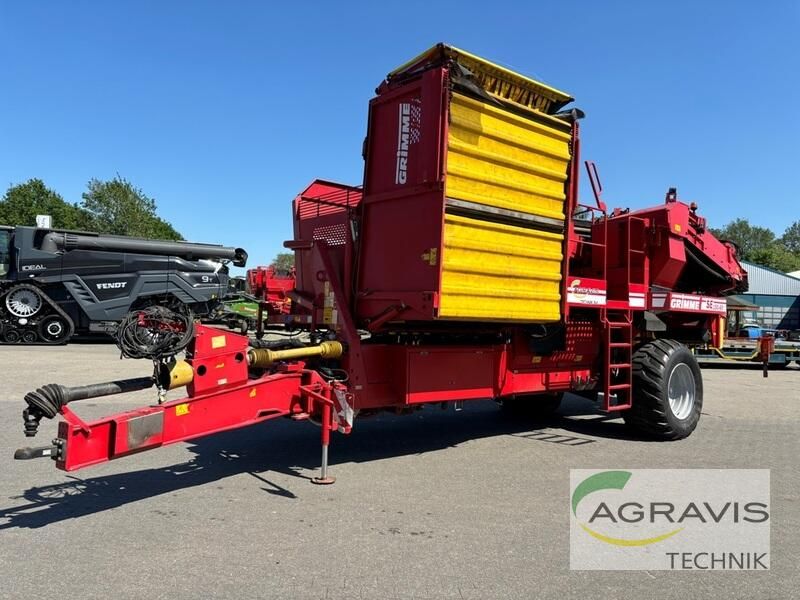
(649, 411)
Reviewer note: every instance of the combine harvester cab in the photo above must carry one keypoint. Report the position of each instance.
(464, 268)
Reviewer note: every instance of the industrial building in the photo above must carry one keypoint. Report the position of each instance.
(777, 296)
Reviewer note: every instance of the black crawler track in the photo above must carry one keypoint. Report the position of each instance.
(33, 330)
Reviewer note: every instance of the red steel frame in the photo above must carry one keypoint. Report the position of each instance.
(221, 397)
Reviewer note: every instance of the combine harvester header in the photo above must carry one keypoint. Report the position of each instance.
(466, 267)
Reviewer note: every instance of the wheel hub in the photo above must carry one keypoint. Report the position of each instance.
(23, 303)
(54, 328)
(681, 391)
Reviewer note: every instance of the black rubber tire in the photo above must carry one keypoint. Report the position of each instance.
(11, 336)
(29, 336)
(651, 413)
(536, 406)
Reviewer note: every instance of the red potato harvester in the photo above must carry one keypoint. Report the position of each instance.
(465, 268)
(271, 289)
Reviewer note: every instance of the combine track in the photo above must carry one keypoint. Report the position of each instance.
(29, 316)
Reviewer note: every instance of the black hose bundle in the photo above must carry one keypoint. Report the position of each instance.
(155, 332)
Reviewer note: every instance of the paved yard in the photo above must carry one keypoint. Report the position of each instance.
(467, 505)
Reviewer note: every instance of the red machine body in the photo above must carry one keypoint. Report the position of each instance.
(369, 275)
(271, 288)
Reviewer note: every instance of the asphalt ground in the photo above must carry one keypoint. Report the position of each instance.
(439, 504)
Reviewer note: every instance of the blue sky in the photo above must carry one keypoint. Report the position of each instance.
(223, 111)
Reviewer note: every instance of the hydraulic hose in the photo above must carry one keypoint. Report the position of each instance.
(154, 332)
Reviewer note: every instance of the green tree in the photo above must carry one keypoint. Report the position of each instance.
(283, 261)
(791, 238)
(759, 244)
(776, 257)
(21, 203)
(119, 208)
(749, 238)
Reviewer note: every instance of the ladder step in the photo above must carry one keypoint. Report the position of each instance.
(621, 403)
(620, 345)
(620, 365)
(620, 386)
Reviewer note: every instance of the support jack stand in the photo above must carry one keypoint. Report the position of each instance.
(324, 478)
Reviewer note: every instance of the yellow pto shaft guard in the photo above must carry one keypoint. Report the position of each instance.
(262, 357)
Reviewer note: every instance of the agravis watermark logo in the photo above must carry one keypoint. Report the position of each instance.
(669, 519)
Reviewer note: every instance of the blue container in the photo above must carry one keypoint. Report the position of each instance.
(751, 331)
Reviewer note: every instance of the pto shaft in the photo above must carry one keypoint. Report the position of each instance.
(262, 357)
(47, 401)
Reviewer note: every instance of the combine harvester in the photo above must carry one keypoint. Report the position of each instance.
(466, 268)
(56, 283)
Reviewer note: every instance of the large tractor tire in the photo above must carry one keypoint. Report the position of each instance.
(534, 406)
(667, 391)
(244, 326)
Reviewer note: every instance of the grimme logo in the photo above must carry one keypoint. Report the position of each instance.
(685, 303)
(403, 138)
(670, 519)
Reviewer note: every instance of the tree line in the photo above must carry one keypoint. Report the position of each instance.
(115, 206)
(761, 246)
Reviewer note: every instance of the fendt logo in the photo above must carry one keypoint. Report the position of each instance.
(116, 285)
(670, 519)
(403, 137)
